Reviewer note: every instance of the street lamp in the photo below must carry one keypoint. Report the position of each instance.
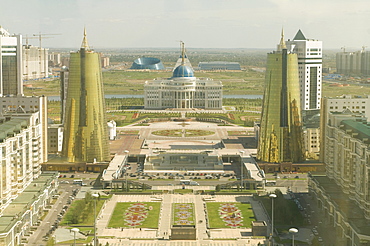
(272, 196)
(95, 196)
(74, 230)
(241, 168)
(126, 152)
(293, 231)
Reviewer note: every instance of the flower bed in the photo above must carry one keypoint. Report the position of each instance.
(127, 214)
(135, 214)
(231, 215)
(183, 214)
(168, 133)
(197, 133)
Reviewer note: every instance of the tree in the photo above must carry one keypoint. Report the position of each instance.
(218, 188)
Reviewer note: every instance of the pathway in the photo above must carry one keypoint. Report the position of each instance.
(164, 226)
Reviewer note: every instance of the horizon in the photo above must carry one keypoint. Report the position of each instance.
(203, 24)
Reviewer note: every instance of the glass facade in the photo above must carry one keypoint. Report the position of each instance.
(85, 130)
(281, 138)
(147, 63)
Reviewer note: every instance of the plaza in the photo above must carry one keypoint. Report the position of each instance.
(162, 235)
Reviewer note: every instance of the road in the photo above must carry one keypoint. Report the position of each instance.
(65, 191)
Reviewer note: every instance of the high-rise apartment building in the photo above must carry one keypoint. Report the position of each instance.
(343, 194)
(280, 138)
(10, 63)
(309, 53)
(35, 62)
(54, 59)
(85, 137)
(21, 149)
(353, 63)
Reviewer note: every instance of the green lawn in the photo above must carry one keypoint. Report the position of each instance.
(151, 221)
(183, 191)
(85, 221)
(215, 221)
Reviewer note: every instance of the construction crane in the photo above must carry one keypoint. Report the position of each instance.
(41, 36)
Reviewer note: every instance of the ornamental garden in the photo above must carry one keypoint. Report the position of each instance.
(147, 214)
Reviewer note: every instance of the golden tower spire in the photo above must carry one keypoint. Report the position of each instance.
(282, 44)
(85, 44)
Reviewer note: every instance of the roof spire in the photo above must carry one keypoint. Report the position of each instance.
(85, 44)
(182, 53)
(281, 45)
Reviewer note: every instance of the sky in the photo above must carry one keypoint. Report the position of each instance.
(199, 23)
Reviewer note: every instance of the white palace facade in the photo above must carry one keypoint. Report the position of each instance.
(183, 91)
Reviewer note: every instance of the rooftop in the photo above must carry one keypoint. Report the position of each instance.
(299, 36)
(25, 200)
(360, 127)
(12, 127)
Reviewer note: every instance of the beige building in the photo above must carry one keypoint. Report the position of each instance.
(55, 138)
(312, 142)
(26, 210)
(353, 63)
(343, 194)
(54, 59)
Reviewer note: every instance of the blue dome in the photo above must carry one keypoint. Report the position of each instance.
(183, 71)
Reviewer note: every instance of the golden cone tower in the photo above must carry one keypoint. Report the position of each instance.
(85, 137)
(280, 138)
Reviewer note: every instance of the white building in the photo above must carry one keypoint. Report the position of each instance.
(21, 154)
(10, 64)
(357, 104)
(183, 90)
(24, 105)
(309, 53)
(35, 62)
(112, 130)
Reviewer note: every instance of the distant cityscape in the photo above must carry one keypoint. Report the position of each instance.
(179, 164)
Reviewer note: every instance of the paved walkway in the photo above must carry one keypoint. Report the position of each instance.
(164, 226)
